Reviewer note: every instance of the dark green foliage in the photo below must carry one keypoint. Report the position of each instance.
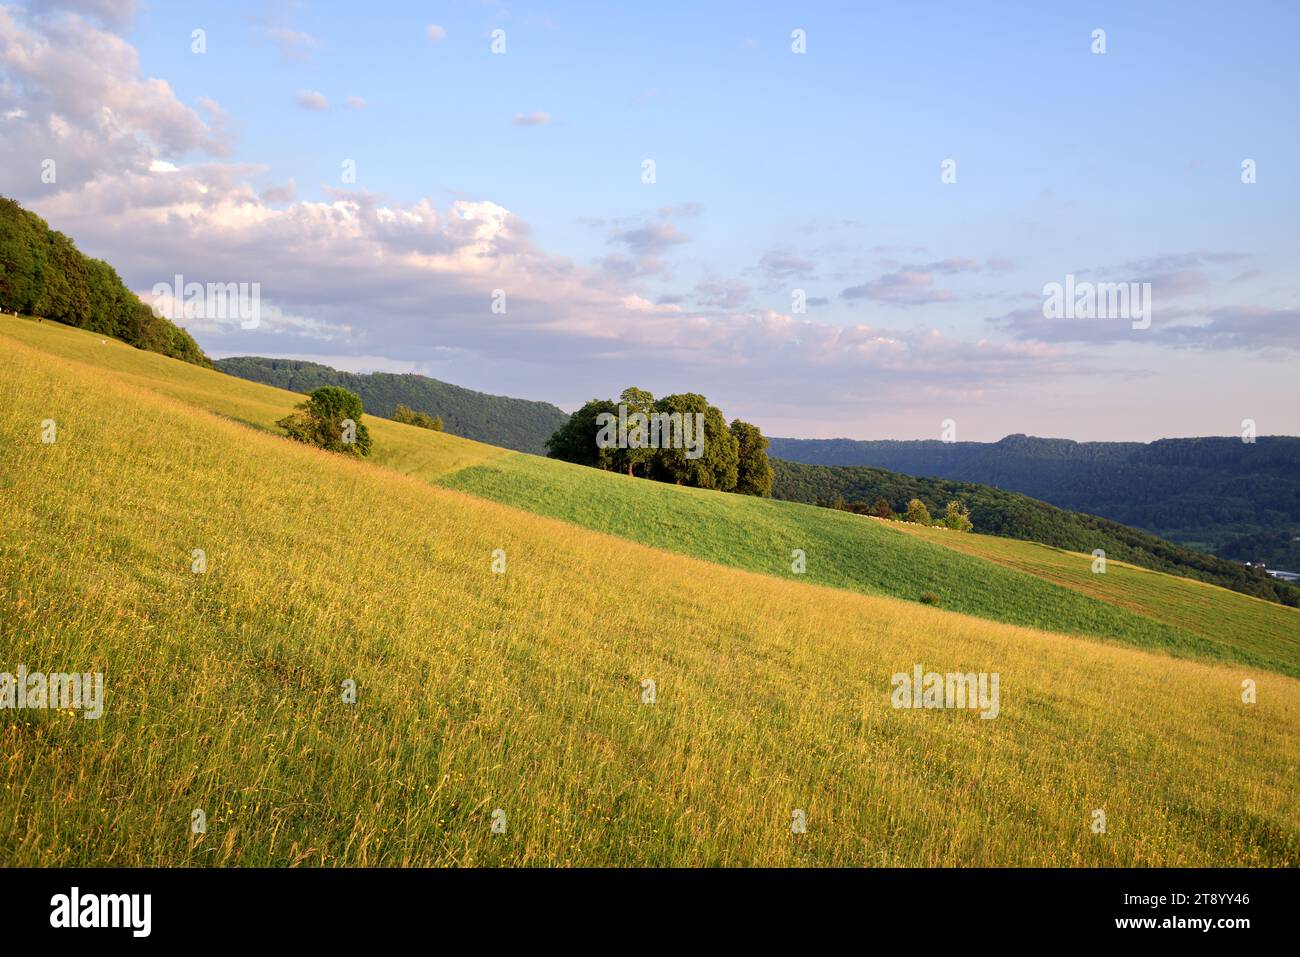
(330, 419)
(754, 471)
(421, 419)
(575, 440)
(717, 467)
(1279, 548)
(510, 423)
(1203, 493)
(727, 458)
(1011, 515)
(43, 274)
(635, 461)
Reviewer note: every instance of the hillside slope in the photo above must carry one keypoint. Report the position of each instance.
(519, 424)
(1202, 492)
(522, 692)
(1012, 515)
(841, 550)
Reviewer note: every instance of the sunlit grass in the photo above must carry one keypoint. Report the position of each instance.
(522, 691)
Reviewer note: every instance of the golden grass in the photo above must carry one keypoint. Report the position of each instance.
(522, 691)
(404, 448)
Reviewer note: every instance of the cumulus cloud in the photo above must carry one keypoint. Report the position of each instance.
(280, 194)
(645, 245)
(355, 274)
(73, 92)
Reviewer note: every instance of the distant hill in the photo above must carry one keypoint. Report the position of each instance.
(1012, 515)
(519, 424)
(1219, 495)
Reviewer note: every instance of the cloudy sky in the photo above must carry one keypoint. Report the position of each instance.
(780, 178)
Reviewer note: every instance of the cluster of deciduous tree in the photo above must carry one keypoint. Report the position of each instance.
(329, 419)
(423, 420)
(730, 458)
(42, 273)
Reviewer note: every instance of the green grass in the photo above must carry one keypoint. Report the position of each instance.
(1216, 614)
(842, 550)
(849, 551)
(522, 691)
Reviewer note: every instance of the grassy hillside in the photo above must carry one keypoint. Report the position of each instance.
(842, 550)
(522, 691)
(1010, 514)
(1255, 625)
(511, 423)
(1199, 492)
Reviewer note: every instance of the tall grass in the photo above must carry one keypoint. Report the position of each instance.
(522, 691)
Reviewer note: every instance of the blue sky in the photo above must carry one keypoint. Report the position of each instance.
(775, 171)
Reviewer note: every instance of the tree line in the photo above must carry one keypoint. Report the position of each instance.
(42, 273)
(729, 458)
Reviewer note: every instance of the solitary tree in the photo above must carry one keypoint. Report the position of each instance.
(917, 512)
(329, 419)
(753, 471)
(957, 517)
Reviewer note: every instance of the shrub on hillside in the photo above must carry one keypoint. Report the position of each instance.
(329, 419)
(423, 420)
(917, 513)
(957, 517)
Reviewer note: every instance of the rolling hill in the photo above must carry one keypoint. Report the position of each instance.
(519, 424)
(1009, 514)
(1218, 495)
(519, 696)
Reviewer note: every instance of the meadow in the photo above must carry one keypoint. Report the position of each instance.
(522, 692)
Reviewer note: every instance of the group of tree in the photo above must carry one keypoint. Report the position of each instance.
(43, 274)
(330, 419)
(729, 458)
(423, 420)
(955, 515)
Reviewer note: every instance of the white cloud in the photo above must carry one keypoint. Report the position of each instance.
(413, 281)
